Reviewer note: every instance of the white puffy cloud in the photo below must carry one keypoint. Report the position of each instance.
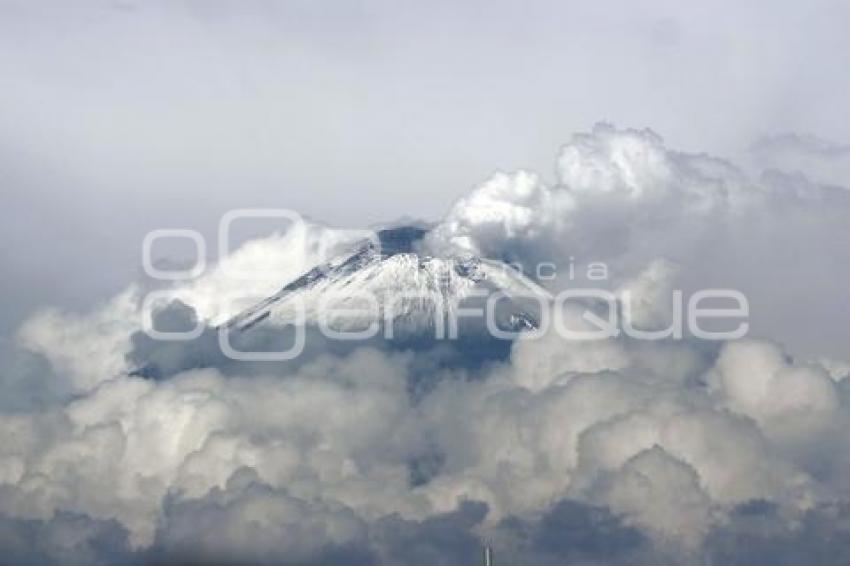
(661, 494)
(623, 198)
(85, 349)
(374, 455)
(619, 197)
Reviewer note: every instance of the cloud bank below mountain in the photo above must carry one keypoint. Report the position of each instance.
(616, 451)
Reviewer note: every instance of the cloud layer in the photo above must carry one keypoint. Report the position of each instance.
(617, 451)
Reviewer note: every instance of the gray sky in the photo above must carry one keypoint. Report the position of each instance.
(120, 117)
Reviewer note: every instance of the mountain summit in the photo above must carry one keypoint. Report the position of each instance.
(389, 282)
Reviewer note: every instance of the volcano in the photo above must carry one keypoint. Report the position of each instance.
(389, 282)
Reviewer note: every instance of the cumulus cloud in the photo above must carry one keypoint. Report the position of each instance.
(618, 197)
(683, 220)
(613, 451)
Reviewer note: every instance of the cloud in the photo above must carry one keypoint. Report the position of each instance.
(821, 160)
(612, 185)
(124, 448)
(623, 198)
(575, 532)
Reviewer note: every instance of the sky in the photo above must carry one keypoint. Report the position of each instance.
(119, 117)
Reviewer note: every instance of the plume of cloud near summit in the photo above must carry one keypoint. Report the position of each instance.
(623, 198)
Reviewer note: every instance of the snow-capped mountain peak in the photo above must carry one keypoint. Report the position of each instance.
(390, 282)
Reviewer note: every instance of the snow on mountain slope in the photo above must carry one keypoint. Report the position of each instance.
(389, 282)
